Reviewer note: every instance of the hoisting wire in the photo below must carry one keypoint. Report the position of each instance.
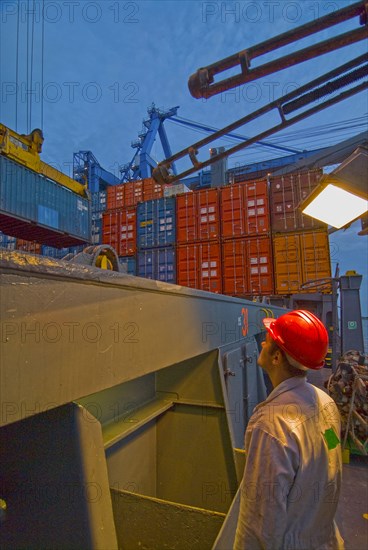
(42, 59)
(17, 72)
(31, 71)
(27, 69)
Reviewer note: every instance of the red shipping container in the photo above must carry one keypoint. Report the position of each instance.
(28, 246)
(244, 209)
(151, 189)
(248, 267)
(110, 228)
(256, 206)
(115, 196)
(133, 193)
(234, 268)
(286, 193)
(208, 214)
(199, 266)
(232, 208)
(127, 231)
(186, 218)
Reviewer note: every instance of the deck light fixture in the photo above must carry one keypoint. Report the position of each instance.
(341, 196)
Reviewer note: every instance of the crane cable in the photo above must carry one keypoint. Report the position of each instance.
(30, 59)
(42, 58)
(27, 69)
(31, 67)
(17, 73)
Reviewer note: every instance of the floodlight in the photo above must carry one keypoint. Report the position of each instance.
(342, 196)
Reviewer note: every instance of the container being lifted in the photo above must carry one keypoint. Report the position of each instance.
(39, 202)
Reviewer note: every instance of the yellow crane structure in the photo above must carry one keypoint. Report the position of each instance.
(26, 149)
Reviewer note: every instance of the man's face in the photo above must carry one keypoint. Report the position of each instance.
(265, 357)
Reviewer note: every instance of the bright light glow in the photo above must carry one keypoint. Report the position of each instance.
(336, 207)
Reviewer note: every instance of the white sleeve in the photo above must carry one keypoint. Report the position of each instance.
(268, 477)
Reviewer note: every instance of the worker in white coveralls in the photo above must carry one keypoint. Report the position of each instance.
(292, 476)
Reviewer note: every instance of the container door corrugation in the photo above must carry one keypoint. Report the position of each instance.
(145, 225)
(288, 263)
(128, 265)
(166, 264)
(247, 267)
(127, 231)
(96, 228)
(187, 265)
(199, 266)
(99, 201)
(257, 214)
(316, 256)
(286, 193)
(232, 209)
(158, 264)
(151, 189)
(133, 193)
(186, 218)
(208, 214)
(110, 228)
(166, 221)
(115, 196)
(299, 258)
(156, 221)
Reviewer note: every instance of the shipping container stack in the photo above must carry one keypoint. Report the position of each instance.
(199, 258)
(119, 220)
(300, 243)
(156, 239)
(246, 239)
(99, 205)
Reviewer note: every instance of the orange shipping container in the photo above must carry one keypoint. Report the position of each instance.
(133, 193)
(28, 246)
(199, 266)
(298, 258)
(152, 189)
(244, 209)
(198, 216)
(115, 196)
(119, 230)
(208, 214)
(247, 267)
(186, 218)
(110, 228)
(127, 232)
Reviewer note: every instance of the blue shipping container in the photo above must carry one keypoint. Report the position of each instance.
(96, 228)
(7, 242)
(41, 203)
(158, 264)
(156, 222)
(99, 201)
(129, 264)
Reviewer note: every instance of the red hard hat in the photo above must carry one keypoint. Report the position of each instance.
(302, 335)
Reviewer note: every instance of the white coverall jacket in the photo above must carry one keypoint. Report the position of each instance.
(292, 477)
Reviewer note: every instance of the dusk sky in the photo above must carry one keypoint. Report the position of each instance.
(104, 63)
